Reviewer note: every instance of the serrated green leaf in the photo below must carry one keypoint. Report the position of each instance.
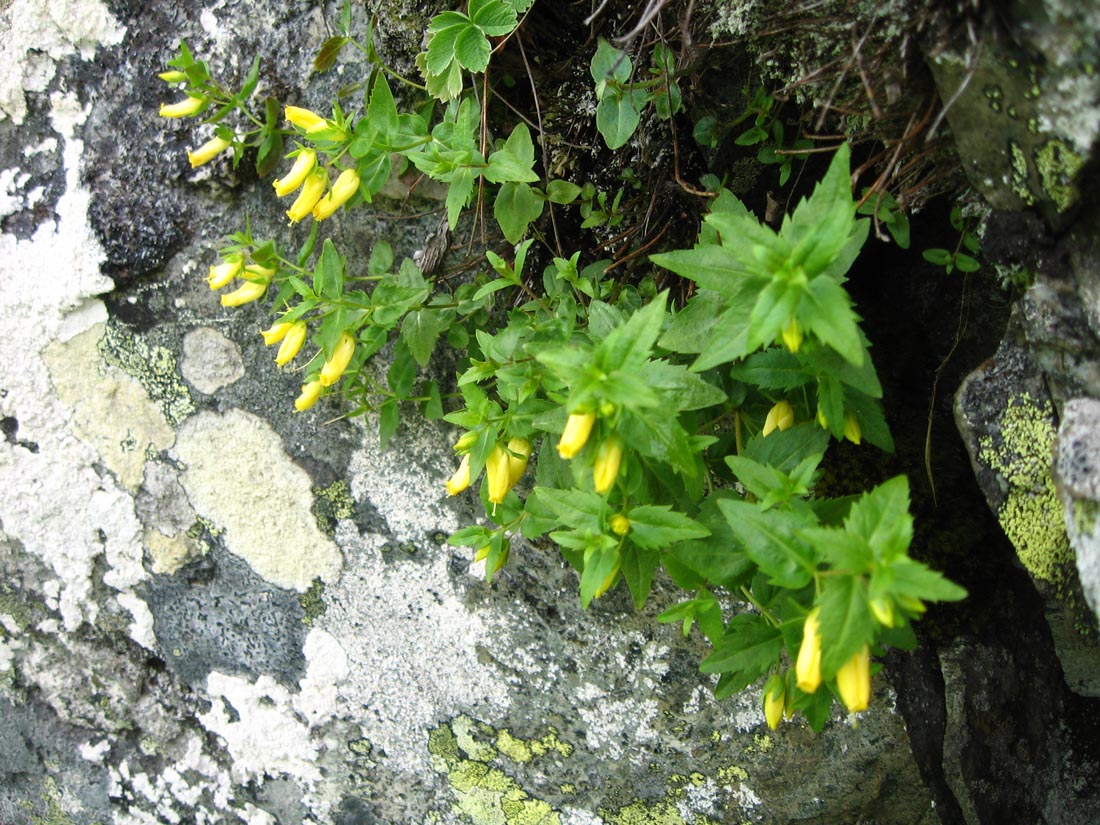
(820, 225)
(327, 54)
(682, 389)
(656, 527)
(328, 276)
(494, 17)
(916, 580)
(402, 372)
(575, 508)
(830, 403)
(770, 539)
(774, 307)
(785, 449)
(458, 194)
(729, 339)
(601, 562)
(841, 549)
(389, 417)
(690, 328)
(748, 649)
(638, 564)
(420, 330)
(628, 346)
(471, 49)
(882, 518)
(773, 369)
(826, 310)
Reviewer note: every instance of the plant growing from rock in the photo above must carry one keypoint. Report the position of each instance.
(636, 432)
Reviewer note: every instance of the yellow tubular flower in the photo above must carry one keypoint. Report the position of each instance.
(577, 429)
(520, 452)
(807, 667)
(311, 391)
(182, 108)
(292, 342)
(609, 456)
(208, 151)
(275, 333)
(341, 357)
(312, 190)
(247, 292)
(461, 478)
(774, 700)
(780, 417)
(225, 272)
(620, 524)
(851, 428)
(498, 475)
(173, 76)
(853, 681)
(303, 165)
(468, 440)
(342, 191)
(302, 118)
(605, 585)
(792, 335)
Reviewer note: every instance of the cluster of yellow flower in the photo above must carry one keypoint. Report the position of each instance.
(310, 178)
(781, 416)
(504, 467)
(853, 680)
(609, 452)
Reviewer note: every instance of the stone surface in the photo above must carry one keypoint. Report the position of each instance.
(216, 610)
(1077, 473)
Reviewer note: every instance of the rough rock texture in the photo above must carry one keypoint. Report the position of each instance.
(214, 610)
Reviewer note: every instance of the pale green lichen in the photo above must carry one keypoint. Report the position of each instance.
(1019, 182)
(484, 794)
(313, 602)
(1058, 166)
(154, 368)
(1032, 514)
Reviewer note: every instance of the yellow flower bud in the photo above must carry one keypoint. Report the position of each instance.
(519, 453)
(821, 419)
(342, 191)
(792, 335)
(807, 667)
(182, 108)
(208, 151)
(302, 118)
(497, 474)
(577, 429)
(609, 456)
(853, 681)
(173, 76)
(774, 700)
(275, 333)
(780, 417)
(883, 611)
(341, 357)
(851, 428)
(312, 189)
(221, 274)
(466, 442)
(461, 478)
(311, 391)
(292, 342)
(620, 524)
(303, 165)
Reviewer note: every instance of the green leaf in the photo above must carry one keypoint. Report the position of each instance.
(388, 421)
(718, 558)
(821, 224)
(562, 191)
(471, 49)
(914, 579)
(939, 257)
(966, 263)
(638, 564)
(846, 621)
(402, 372)
(515, 208)
(382, 111)
(617, 117)
(575, 508)
(771, 540)
(690, 328)
(773, 369)
(515, 160)
(747, 650)
(458, 194)
(683, 390)
(882, 518)
(774, 306)
(841, 549)
(433, 407)
(494, 17)
(328, 276)
(327, 54)
(786, 449)
(421, 329)
(601, 560)
(443, 31)
(628, 346)
(730, 338)
(655, 527)
(827, 311)
(610, 63)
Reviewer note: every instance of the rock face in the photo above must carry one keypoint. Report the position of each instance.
(214, 610)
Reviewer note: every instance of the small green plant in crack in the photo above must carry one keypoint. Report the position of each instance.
(963, 256)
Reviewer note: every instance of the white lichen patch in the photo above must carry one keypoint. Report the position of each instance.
(58, 503)
(260, 729)
(237, 474)
(96, 393)
(37, 34)
(412, 649)
(210, 360)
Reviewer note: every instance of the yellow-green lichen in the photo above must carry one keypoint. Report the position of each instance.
(154, 368)
(524, 750)
(331, 504)
(313, 602)
(485, 795)
(1032, 514)
(638, 812)
(731, 774)
(1019, 183)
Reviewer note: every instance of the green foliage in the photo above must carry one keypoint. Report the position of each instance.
(954, 259)
(645, 439)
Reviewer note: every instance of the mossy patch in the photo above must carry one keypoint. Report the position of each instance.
(313, 602)
(154, 367)
(332, 503)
